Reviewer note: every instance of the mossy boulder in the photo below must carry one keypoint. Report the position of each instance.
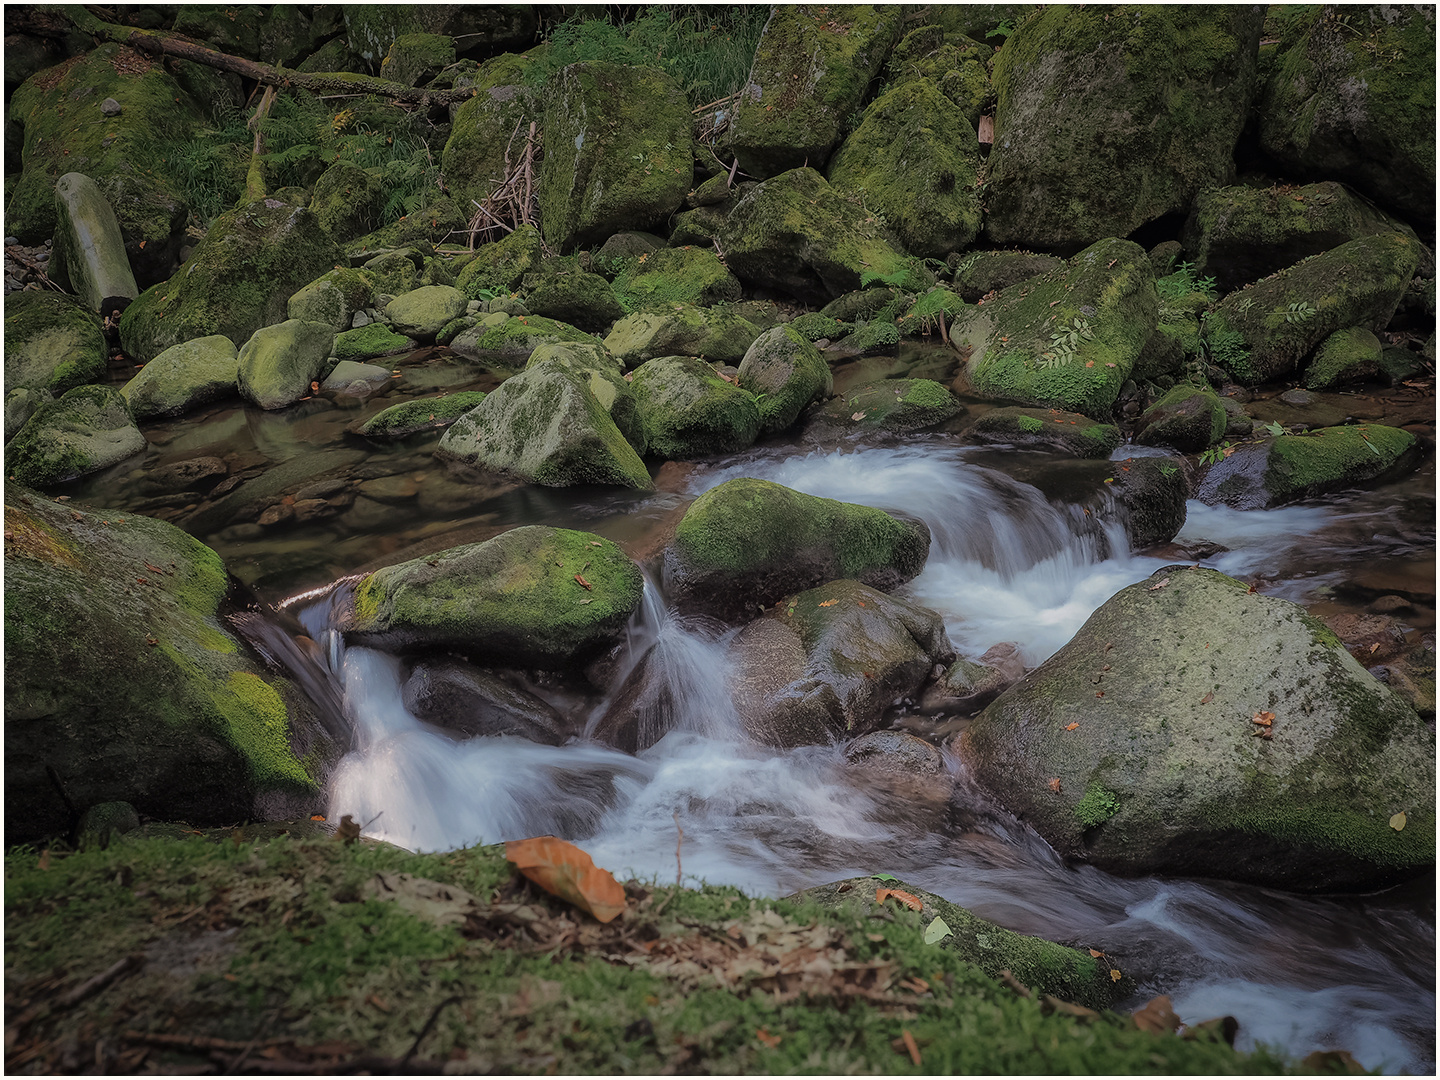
(65, 131)
(1288, 468)
(370, 342)
(915, 159)
(1241, 234)
(1051, 430)
(511, 341)
(1347, 355)
(1354, 99)
(513, 600)
(482, 129)
(20, 405)
(1146, 496)
(576, 297)
(417, 58)
(502, 265)
(1043, 966)
(347, 200)
(785, 373)
(811, 70)
(978, 273)
(1265, 331)
(278, 363)
(869, 339)
(1109, 118)
(88, 429)
(797, 233)
(957, 64)
(52, 343)
(394, 272)
(681, 330)
(855, 652)
(333, 298)
(1068, 339)
(545, 427)
(138, 690)
(688, 411)
(89, 254)
(421, 312)
(617, 152)
(184, 377)
(605, 379)
(860, 305)
(1189, 418)
(1169, 773)
(747, 543)
(240, 278)
(274, 34)
(683, 275)
(890, 406)
(425, 414)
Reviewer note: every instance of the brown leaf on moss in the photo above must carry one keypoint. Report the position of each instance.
(563, 869)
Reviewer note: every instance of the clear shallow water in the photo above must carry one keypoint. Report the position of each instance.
(1299, 973)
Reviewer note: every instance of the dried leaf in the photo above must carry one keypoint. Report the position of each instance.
(910, 900)
(595, 543)
(317, 817)
(562, 869)
(857, 416)
(1158, 1016)
(1397, 822)
(1055, 784)
(937, 931)
(348, 830)
(582, 582)
(1208, 698)
(1099, 693)
(828, 603)
(1264, 719)
(910, 1046)
(1096, 953)
(769, 1040)
(1115, 975)
(1159, 585)
(1071, 726)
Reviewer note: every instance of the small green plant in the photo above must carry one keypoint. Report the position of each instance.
(1097, 806)
(1216, 454)
(1296, 313)
(966, 264)
(1003, 31)
(1182, 282)
(1168, 471)
(1064, 342)
(1274, 427)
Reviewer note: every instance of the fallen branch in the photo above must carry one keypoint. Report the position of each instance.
(255, 177)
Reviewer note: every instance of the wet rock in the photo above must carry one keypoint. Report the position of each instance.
(483, 128)
(895, 406)
(90, 257)
(681, 331)
(579, 298)
(1147, 720)
(278, 363)
(104, 821)
(425, 414)
(184, 377)
(967, 686)
(1412, 678)
(20, 405)
(677, 275)
(1288, 468)
(894, 751)
(354, 379)
(503, 264)
(979, 273)
(335, 297)
(1371, 639)
(510, 341)
(1345, 356)
(688, 411)
(1053, 430)
(52, 343)
(474, 702)
(421, 312)
(1189, 418)
(370, 342)
(86, 430)
(605, 379)
(786, 373)
(193, 474)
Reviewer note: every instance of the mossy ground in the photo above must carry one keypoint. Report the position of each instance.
(273, 944)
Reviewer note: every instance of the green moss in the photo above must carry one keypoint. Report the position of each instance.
(1030, 424)
(688, 411)
(51, 343)
(501, 266)
(1328, 458)
(426, 414)
(369, 342)
(1097, 806)
(257, 723)
(814, 325)
(683, 275)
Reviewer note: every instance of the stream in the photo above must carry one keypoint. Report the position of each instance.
(1007, 563)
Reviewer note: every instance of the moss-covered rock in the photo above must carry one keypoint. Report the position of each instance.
(576, 297)
(979, 273)
(860, 306)
(1166, 774)
(1067, 339)
(501, 266)
(605, 379)
(273, 34)
(1345, 356)
(333, 298)
(421, 312)
(88, 429)
(511, 341)
(1242, 234)
(811, 70)
(184, 377)
(417, 58)
(20, 405)
(796, 233)
(191, 725)
(914, 158)
(240, 278)
(513, 600)
(278, 363)
(1189, 418)
(52, 343)
(819, 325)
(425, 414)
(394, 272)
(1354, 98)
(785, 373)
(675, 275)
(546, 427)
(954, 62)
(369, 342)
(747, 543)
(617, 152)
(483, 128)
(890, 406)
(372, 28)
(1265, 331)
(870, 339)
(347, 200)
(1288, 468)
(688, 411)
(89, 257)
(1108, 118)
(681, 330)
(1051, 430)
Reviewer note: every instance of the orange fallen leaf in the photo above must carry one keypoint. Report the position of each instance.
(908, 899)
(769, 1040)
(1263, 718)
(1099, 693)
(1157, 1016)
(1055, 784)
(828, 603)
(562, 869)
(1096, 953)
(1071, 727)
(317, 817)
(583, 582)
(1115, 975)
(910, 1046)
(1208, 698)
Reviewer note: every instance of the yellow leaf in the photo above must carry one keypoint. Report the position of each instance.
(1071, 727)
(1115, 975)
(1398, 821)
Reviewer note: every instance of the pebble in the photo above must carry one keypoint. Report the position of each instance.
(9, 240)
(110, 107)
(359, 319)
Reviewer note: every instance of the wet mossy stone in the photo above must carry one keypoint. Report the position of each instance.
(810, 73)
(485, 127)
(510, 342)
(1354, 99)
(52, 343)
(1264, 332)
(861, 305)
(191, 726)
(747, 543)
(957, 64)
(421, 312)
(426, 414)
(580, 355)
(104, 821)
(1166, 774)
(1189, 418)
(20, 405)
(684, 275)
(785, 373)
(798, 234)
(915, 159)
(513, 600)
(1345, 356)
(978, 273)
(1288, 468)
(891, 406)
(1068, 974)
(88, 429)
(240, 278)
(817, 325)
(347, 200)
(278, 363)
(1147, 495)
(471, 701)
(89, 254)
(545, 427)
(576, 297)
(184, 377)
(1051, 430)
(1091, 317)
(606, 381)
(393, 273)
(416, 58)
(333, 298)
(688, 411)
(1241, 234)
(369, 342)
(273, 34)
(1109, 119)
(65, 131)
(617, 152)
(1176, 337)
(700, 227)
(681, 330)
(500, 266)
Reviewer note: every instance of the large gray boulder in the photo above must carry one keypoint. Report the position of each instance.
(52, 343)
(184, 377)
(89, 252)
(681, 330)
(278, 363)
(1288, 468)
(785, 373)
(421, 312)
(86, 430)
(688, 411)
(1193, 726)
